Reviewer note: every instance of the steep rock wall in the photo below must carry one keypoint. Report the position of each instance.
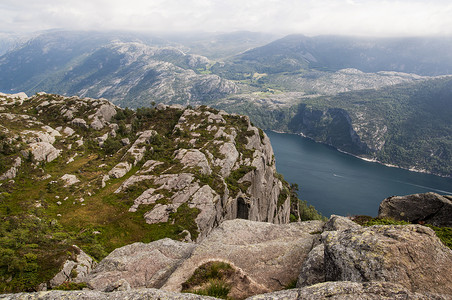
(332, 126)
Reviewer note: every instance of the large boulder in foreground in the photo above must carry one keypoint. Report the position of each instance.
(137, 294)
(349, 290)
(269, 255)
(409, 255)
(428, 208)
(328, 290)
(139, 265)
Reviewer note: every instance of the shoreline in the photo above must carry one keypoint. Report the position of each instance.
(373, 160)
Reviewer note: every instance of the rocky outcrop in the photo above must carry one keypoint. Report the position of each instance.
(313, 268)
(328, 290)
(74, 270)
(336, 223)
(11, 172)
(136, 294)
(343, 290)
(44, 151)
(181, 171)
(140, 265)
(410, 255)
(269, 255)
(332, 126)
(120, 170)
(345, 262)
(429, 208)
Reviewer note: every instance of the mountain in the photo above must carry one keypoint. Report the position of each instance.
(270, 83)
(102, 65)
(406, 125)
(86, 172)
(294, 53)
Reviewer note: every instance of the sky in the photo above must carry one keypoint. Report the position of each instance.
(310, 17)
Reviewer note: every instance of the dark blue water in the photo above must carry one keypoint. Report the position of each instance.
(338, 183)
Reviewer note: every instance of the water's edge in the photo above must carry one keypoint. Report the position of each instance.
(412, 169)
(339, 183)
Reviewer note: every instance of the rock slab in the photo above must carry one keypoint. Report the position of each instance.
(140, 265)
(270, 255)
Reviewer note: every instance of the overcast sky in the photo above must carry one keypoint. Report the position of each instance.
(310, 17)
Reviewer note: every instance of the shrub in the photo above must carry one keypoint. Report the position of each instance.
(71, 286)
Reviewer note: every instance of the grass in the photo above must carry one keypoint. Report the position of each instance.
(214, 288)
(210, 279)
(71, 286)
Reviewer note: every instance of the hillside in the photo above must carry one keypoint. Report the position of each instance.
(82, 171)
(295, 84)
(406, 125)
(123, 68)
(295, 53)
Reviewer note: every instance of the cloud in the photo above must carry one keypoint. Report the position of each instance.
(312, 17)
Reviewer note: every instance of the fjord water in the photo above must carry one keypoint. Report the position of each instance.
(341, 184)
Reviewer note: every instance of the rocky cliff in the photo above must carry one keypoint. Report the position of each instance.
(332, 126)
(86, 172)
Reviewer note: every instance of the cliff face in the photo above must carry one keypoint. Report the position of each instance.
(92, 174)
(332, 126)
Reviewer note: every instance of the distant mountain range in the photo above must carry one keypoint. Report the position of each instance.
(273, 81)
(293, 53)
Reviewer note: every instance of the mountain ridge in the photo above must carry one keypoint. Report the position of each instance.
(84, 171)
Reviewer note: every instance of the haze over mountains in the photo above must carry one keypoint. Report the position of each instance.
(309, 81)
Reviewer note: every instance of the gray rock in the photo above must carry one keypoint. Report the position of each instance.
(149, 166)
(160, 213)
(106, 111)
(43, 151)
(313, 268)
(346, 290)
(270, 255)
(68, 131)
(409, 255)
(96, 124)
(79, 122)
(12, 172)
(146, 198)
(69, 179)
(137, 150)
(74, 270)
(141, 265)
(230, 153)
(193, 158)
(205, 200)
(101, 139)
(339, 223)
(138, 294)
(161, 106)
(120, 170)
(105, 178)
(428, 208)
(125, 141)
